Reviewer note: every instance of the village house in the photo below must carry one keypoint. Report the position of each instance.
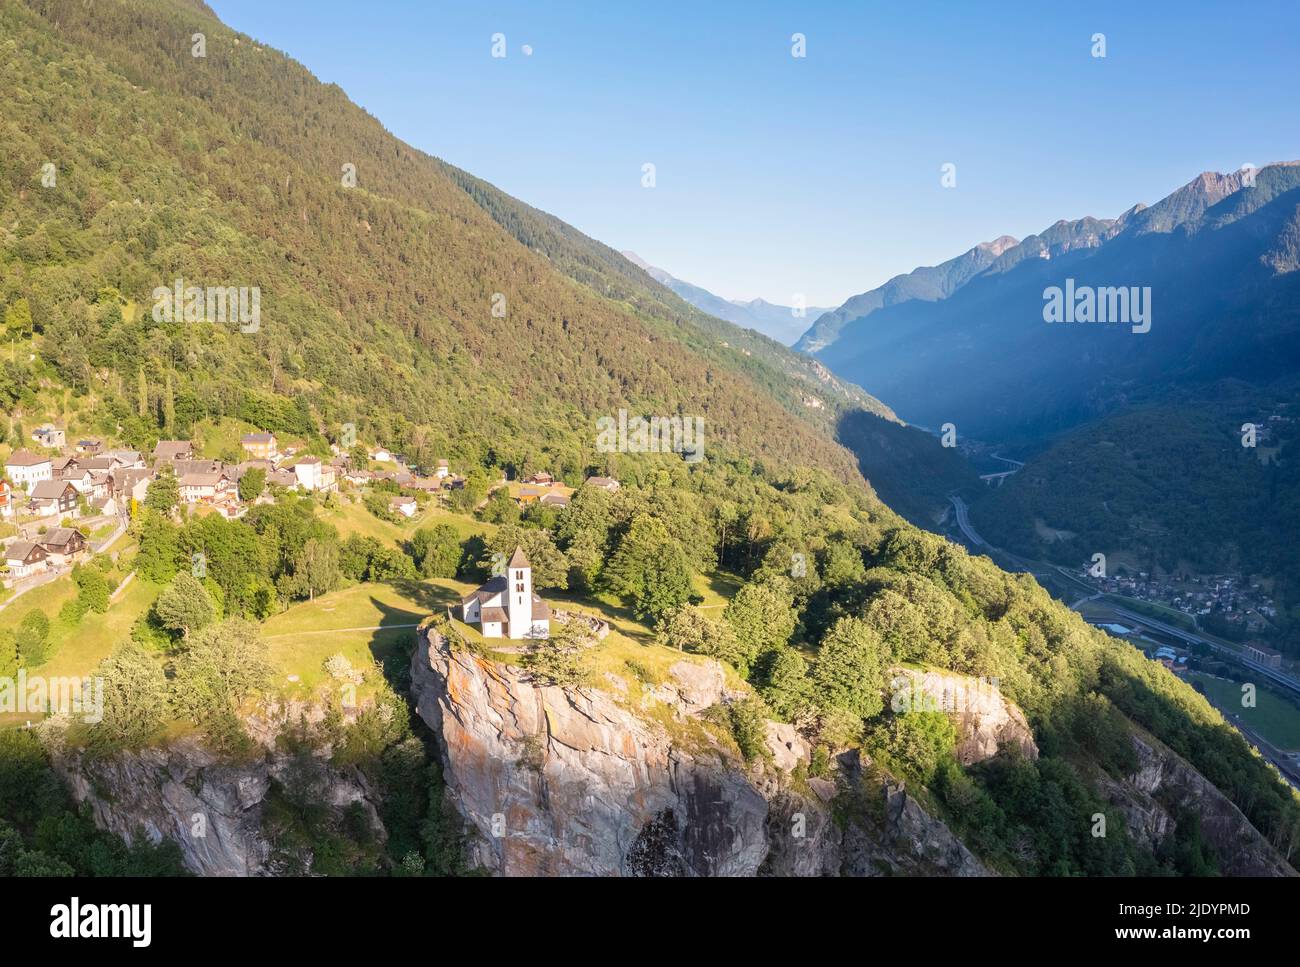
(132, 485)
(127, 459)
(24, 558)
(54, 498)
(90, 446)
(313, 474)
(542, 479)
(528, 495)
(506, 606)
(64, 545)
(441, 470)
(555, 500)
(64, 467)
(101, 482)
(26, 469)
(259, 446)
(282, 478)
(168, 451)
(6, 499)
(83, 480)
(406, 506)
(50, 436)
(105, 506)
(603, 483)
(105, 462)
(203, 488)
(381, 455)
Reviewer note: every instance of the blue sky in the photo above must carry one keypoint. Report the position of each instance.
(778, 175)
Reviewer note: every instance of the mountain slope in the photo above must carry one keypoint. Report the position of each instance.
(1225, 303)
(776, 322)
(225, 171)
(377, 307)
(926, 283)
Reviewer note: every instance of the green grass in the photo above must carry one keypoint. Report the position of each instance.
(1276, 719)
(717, 590)
(354, 518)
(78, 650)
(301, 638)
(212, 438)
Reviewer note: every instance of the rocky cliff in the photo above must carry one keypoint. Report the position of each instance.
(563, 781)
(1165, 784)
(211, 808)
(985, 721)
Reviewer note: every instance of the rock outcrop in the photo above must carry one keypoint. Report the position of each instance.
(210, 808)
(1165, 784)
(573, 781)
(986, 722)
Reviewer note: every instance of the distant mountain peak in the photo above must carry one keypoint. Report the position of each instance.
(772, 320)
(998, 245)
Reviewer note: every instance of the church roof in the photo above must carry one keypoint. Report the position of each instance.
(519, 559)
(494, 586)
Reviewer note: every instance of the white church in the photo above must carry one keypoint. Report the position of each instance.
(506, 606)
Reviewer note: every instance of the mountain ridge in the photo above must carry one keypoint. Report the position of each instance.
(774, 321)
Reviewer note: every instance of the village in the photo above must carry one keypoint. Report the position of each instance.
(1243, 606)
(67, 500)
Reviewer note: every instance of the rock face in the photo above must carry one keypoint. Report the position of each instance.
(569, 781)
(211, 809)
(985, 720)
(1165, 783)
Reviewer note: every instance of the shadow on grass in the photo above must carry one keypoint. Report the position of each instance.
(392, 644)
(625, 619)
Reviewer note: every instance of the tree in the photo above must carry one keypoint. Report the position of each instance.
(785, 685)
(168, 406)
(649, 570)
(436, 551)
(93, 591)
(763, 617)
(562, 659)
(223, 667)
(850, 669)
(317, 569)
(915, 742)
(687, 628)
(550, 569)
(160, 551)
(251, 484)
(163, 494)
(18, 318)
(184, 606)
(32, 637)
(135, 700)
(500, 508)
(842, 564)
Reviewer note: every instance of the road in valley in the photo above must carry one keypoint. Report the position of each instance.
(1039, 570)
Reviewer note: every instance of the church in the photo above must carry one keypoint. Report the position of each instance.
(506, 606)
